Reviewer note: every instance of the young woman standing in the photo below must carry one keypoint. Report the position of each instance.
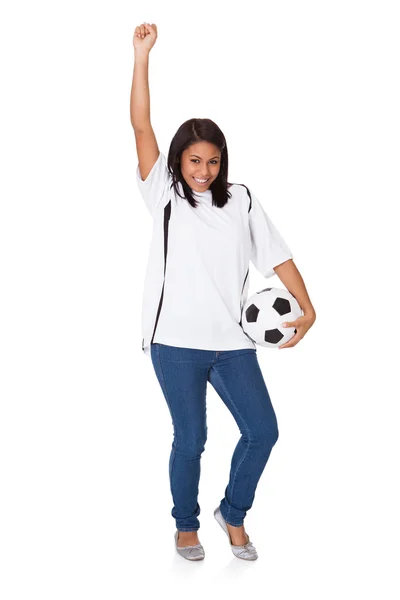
(205, 232)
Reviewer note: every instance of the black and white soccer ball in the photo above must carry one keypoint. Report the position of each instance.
(264, 313)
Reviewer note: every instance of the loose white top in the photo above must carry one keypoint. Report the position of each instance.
(197, 280)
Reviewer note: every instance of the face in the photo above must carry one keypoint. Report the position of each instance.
(201, 161)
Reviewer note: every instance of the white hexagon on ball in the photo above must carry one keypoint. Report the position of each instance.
(263, 315)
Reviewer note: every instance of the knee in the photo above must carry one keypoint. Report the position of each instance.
(266, 438)
(190, 446)
(272, 431)
(275, 434)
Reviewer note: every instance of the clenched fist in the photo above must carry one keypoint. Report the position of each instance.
(145, 37)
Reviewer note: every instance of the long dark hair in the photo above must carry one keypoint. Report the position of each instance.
(191, 132)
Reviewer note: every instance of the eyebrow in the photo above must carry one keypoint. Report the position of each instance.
(200, 156)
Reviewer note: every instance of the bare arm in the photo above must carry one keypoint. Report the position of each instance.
(146, 143)
(290, 276)
(140, 94)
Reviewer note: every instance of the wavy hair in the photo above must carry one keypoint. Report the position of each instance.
(191, 132)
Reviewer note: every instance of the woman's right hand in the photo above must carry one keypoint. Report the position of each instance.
(145, 36)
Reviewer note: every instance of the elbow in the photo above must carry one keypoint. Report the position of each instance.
(140, 125)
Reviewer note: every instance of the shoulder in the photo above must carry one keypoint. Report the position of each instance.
(238, 187)
(242, 191)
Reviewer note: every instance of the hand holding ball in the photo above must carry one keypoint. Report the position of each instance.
(265, 312)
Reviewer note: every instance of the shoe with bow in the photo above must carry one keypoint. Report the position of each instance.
(245, 551)
(189, 552)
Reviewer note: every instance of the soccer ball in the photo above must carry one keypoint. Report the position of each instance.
(264, 313)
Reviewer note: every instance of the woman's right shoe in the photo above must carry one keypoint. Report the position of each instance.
(246, 551)
(190, 552)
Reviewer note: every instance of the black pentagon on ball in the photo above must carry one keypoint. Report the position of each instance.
(252, 313)
(273, 336)
(282, 306)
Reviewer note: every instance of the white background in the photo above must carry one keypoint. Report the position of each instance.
(307, 95)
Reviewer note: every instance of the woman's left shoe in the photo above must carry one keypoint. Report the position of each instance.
(246, 551)
(190, 552)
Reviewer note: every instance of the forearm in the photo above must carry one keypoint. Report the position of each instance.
(293, 281)
(140, 94)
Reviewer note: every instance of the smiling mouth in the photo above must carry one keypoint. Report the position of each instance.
(201, 181)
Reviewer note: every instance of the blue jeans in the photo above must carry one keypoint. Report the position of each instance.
(236, 376)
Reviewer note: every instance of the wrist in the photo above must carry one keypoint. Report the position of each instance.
(310, 313)
(141, 54)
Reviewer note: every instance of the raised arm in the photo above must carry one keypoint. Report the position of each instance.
(146, 144)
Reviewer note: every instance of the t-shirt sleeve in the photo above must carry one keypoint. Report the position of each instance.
(268, 248)
(154, 189)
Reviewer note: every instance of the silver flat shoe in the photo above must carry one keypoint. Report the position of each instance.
(246, 551)
(190, 552)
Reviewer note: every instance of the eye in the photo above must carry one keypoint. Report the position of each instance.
(215, 162)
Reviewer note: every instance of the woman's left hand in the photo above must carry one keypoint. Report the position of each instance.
(302, 325)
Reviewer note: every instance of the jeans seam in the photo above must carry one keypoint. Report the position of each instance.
(163, 380)
(248, 434)
(170, 408)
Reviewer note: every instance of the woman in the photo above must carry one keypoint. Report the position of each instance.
(205, 231)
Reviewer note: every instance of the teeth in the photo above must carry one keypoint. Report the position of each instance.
(200, 180)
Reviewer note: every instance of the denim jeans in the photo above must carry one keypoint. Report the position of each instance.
(236, 376)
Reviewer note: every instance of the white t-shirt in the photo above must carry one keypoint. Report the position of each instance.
(197, 280)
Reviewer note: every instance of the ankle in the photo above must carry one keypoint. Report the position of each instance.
(237, 535)
(183, 535)
(187, 538)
